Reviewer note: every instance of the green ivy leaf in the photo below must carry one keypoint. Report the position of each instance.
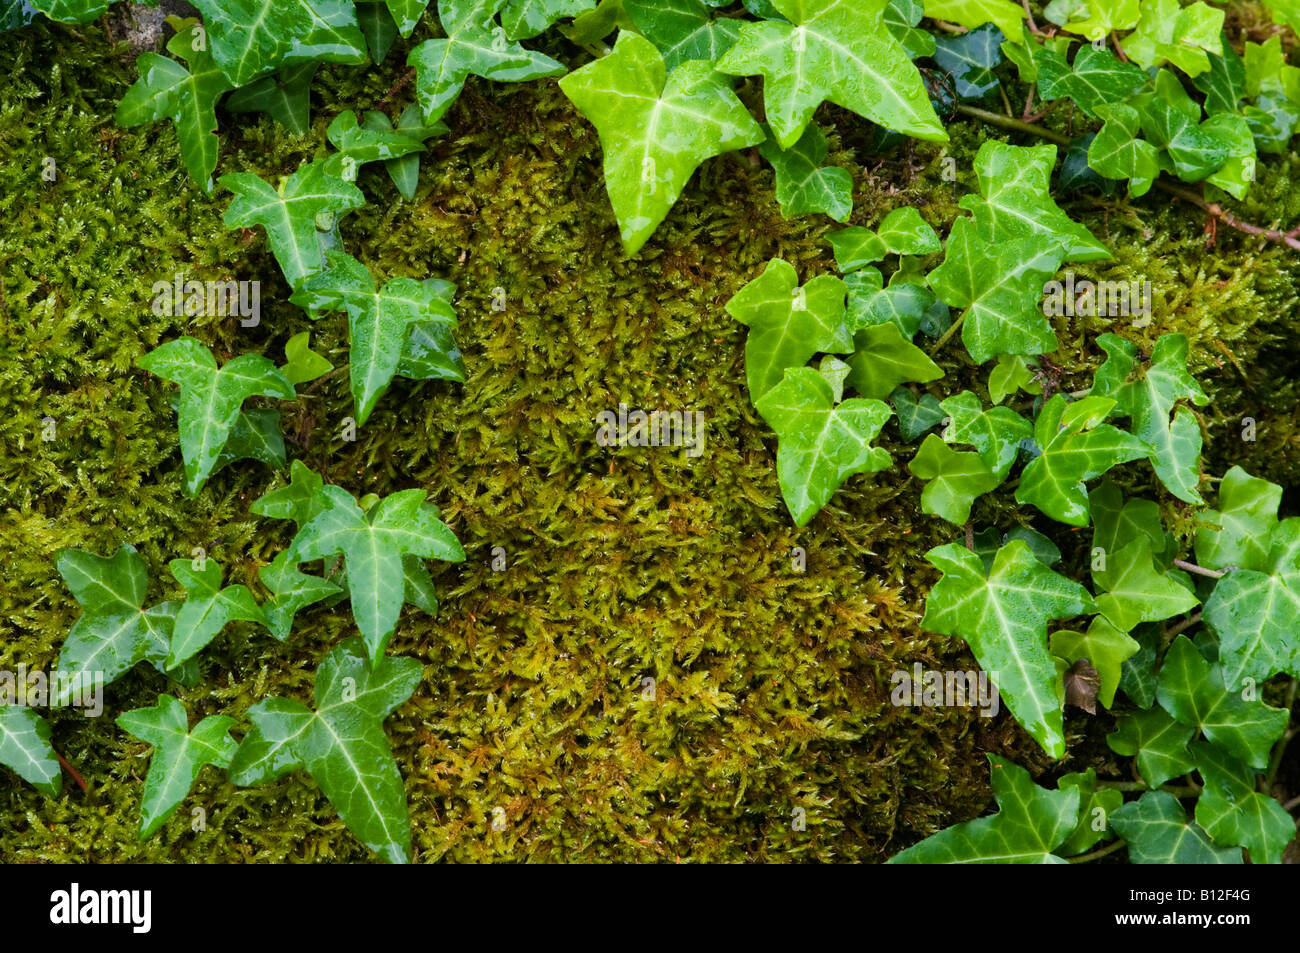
(179, 754)
(25, 747)
(954, 479)
(404, 170)
(1031, 823)
(252, 37)
(1096, 78)
(359, 144)
(803, 185)
(1117, 153)
(407, 13)
(211, 398)
(915, 416)
(1136, 591)
(904, 232)
(683, 29)
(856, 247)
(1239, 532)
(341, 744)
(1157, 831)
(1157, 741)
(837, 50)
(303, 363)
(284, 96)
(883, 358)
(1007, 15)
(1169, 32)
(969, 59)
(820, 445)
(1233, 813)
(377, 26)
(72, 11)
(1104, 645)
(1116, 523)
(207, 608)
(1095, 807)
(1094, 19)
(1171, 121)
(291, 591)
(996, 433)
(1003, 616)
(525, 19)
(1013, 374)
(902, 18)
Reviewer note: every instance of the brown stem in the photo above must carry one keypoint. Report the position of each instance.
(1199, 570)
(406, 78)
(81, 782)
(1187, 623)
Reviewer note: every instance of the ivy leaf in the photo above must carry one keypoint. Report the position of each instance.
(524, 19)
(915, 416)
(1275, 87)
(1239, 532)
(954, 479)
(72, 11)
(251, 37)
(1157, 831)
(1117, 153)
(1233, 813)
(1238, 171)
(1094, 806)
(1003, 616)
(378, 28)
(188, 97)
(407, 13)
(787, 323)
(1170, 32)
(1193, 691)
(884, 358)
(1137, 592)
(995, 433)
(211, 398)
(836, 50)
(373, 545)
(655, 128)
(341, 744)
(970, 58)
(1095, 19)
(1012, 374)
(300, 500)
(1157, 741)
(1096, 78)
(683, 29)
(1116, 523)
(1171, 121)
(207, 608)
(974, 13)
(1000, 283)
(1031, 823)
(359, 144)
(1138, 677)
(378, 320)
(179, 754)
(404, 170)
(803, 186)
(114, 631)
(474, 46)
(856, 247)
(820, 445)
(291, 591)
(1104, 645)
(25, 747)
(904, 232)
(303, 363)
(1224, 83)
(284, 96)
(1076, 447)
(293, 215)
(902, 18)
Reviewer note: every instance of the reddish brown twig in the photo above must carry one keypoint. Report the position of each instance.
(81, 782)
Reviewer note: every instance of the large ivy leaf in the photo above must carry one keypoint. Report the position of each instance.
(72, 11)
(683, 29)
(836, 50)
(1031, 823)
(1003, 616)
(207, 608)
(820, 445)
(1233, 813)
(379, 321)
(114, 631)
(251, 37)
(1104, 645)
(211, 398)
(25, 747)
(341, 744)
(373, 545)
(1170, 32)
(655, 128)
(188, 97)
(178, 757)
(1137, 591)
(1076, 447)
(1157, 831)
(1193, 691)
(803, 185)
(294, 216)
(1157, 741)
(1240, 532)
(523, 19)
(954, 479)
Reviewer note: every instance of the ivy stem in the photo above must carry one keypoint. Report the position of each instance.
(81, 782)
(1110, 848)
(1199, 570)
(1280, 750)
(1177, 790)
(1187, 623)
(1007, 122)
(943, 339)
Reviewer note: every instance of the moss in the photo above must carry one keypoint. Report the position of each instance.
(771, 685)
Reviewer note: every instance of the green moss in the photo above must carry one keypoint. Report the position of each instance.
(771, 685)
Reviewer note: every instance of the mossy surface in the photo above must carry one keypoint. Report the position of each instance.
(771, 685)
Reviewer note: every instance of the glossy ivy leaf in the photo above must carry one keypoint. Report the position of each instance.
(359, 144)
(915, 416)
(114, 631)
(593, 26)
(72, 11)
(1030, 825)
(475, 45)
(1239, 532)
(787, 323)
(904, 232)
(292, 215)
(1096, 78)
(836, 50)
(1116, 523)
(1171, 121)
(1137, 591)
(999, 283)
(188, 97)
(1233, 813)
(1117, 153)
(178, 756)
(25, 747)
(404, 170)
(303, 364)
(1006, 14)
(1104, 645)
(819, 444)
(1095, 807)
(996, 433)
(15, 14)
(1157, 831)
(285, 96)
(379, 320)
(803, 185)
(1275, 88)
(1095, 19)
(683, 29)
(207, 609)
(1076, 175)
(1238, 171)
(341, 744)
(883, 358)
(1003, 616)
(856, 247)
(255, 435)
(954, 479)
(1138, 674)
(407, 13)
(1013, 374)
(1193, 691)
(211, 398)
(903, 304)
(373, 545)
(1076, 447)
(969, 59)
(1157, 741)
(300, 500)
(1224, 83)
(902, 17)
(377, 26)
(252, 37)
(524, 19)
(655, 128)
(1168, 32)
(291, 591)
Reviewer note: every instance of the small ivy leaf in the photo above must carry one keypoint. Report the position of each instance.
(341, 744)
(474, 46)
(379, 321)
(1116, 152)
(1193, 691)
(594, 25)
(178, 756)
(373, 545)
(1157, 831)
(1171, 121)
(1115, 524)
(1171, 33)
(291, 592)
(1000, 283)
(291, 215)
(25, 747)
(1224, 84)
(1136, 591)
(299, 501)
(837, 50)
(835, 372)
(379, 29)
(969, 58)
(1031, 823)
(1005, 14)
(1082, 683)
(1003, 616)
(255, 435)
(996, 433)
(1013, 374)
(1233, 813)
(1238, 171)
(284, 96)
(954, 479)
(1094, 805)
(1095, 19)
(819, 444)
(683, 29)
(803, 185)
(915, 416)
(1275, 87)
(1097, 78)
(1105, 647)
(901, 17)
(655, 128)
(1076, 175)
(905, 232)
(856, 247)
(303, 364)
(903, 304)
(430, 352)
(114, 631)
(207, 609)
(883, 358)
(405, 170)
(358, 145)
(211, 398)
(1157, 741)
(1239, 533)
(1138, 674)
(787, 323)
(525, 19)
(1076, 447)
(406, 14)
